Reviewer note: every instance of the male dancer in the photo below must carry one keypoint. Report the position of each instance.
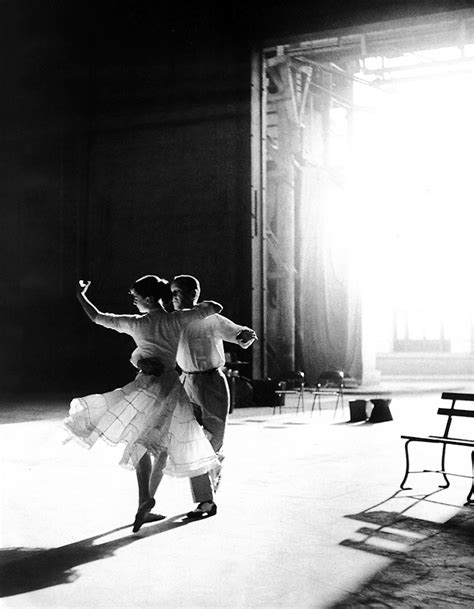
(201, 357)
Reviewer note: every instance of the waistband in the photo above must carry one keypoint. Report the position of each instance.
(210, 371)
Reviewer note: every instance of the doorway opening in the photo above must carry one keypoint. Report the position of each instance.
(367, 206)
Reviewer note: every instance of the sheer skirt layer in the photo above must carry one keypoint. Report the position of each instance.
(149, 414)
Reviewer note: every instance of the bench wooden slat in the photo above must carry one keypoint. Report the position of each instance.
(456, 412)
(467, 397)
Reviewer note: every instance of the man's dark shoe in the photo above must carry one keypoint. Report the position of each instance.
(203, 510)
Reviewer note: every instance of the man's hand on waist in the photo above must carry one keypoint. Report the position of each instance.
(151, 365)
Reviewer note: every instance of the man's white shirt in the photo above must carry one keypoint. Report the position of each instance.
(201, 343)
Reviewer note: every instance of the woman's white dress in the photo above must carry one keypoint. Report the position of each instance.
(149, 414)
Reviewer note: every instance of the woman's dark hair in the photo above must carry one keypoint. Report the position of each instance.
(151, 285)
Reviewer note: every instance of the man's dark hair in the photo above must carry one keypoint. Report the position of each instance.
(188, 283)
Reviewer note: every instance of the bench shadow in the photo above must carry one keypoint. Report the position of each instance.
(27, 569)
(426, 558)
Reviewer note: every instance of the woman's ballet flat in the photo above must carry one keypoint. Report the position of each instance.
(203, 510)
(154, 517)
(142, 513)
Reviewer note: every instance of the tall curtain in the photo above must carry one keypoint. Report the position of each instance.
(329, 305)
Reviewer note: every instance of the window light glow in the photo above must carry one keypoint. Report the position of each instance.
(412, 187)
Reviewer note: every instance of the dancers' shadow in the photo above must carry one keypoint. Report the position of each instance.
(27, 569)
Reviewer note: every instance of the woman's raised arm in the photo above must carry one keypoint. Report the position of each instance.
(91, 310)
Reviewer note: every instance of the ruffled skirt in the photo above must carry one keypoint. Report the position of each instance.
(150, 414)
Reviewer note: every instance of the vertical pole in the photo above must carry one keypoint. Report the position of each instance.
(257, 152)
(285, 226)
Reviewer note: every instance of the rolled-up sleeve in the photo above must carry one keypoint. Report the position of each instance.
(228, 330)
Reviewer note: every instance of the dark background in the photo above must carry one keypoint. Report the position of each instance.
(125, 150)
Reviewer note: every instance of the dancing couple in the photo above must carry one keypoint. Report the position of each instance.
(168, 424)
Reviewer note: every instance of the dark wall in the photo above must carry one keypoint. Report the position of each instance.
(125, 150)
(131, 149)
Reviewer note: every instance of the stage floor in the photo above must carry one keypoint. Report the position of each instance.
(309, 516)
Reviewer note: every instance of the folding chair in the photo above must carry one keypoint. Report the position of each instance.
(292, 385)
(330, 382)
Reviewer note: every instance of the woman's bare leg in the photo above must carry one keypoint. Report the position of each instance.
(143, 470)
(157, 473)
(148, 479)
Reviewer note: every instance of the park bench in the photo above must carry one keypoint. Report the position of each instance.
(445, 440)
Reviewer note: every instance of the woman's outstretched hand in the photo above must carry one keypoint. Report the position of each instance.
(91, 310)
(82, 286)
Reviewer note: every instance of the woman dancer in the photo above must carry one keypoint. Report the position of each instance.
(150, 415)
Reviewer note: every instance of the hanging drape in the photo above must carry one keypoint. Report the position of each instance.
(329, 305)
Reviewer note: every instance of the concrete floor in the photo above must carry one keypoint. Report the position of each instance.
(310, 516)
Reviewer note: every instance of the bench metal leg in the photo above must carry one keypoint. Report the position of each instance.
(407, 468)
(442, 471)
(443, 468)
(469, 500)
